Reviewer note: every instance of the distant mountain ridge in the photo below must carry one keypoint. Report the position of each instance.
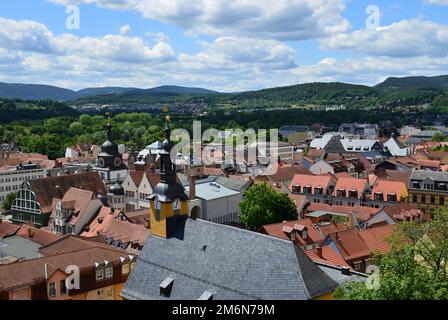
(414, 82)
(44, 92)
(303, 91)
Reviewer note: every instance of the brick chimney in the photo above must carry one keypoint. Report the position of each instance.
(319, 251)
(192, 185)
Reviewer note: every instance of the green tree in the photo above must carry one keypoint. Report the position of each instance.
(8, 201)
(439, 137)
(416, 268)
(263, 205)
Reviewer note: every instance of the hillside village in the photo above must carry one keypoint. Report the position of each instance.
(140, 226)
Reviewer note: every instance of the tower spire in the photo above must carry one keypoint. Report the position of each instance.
(109, 127)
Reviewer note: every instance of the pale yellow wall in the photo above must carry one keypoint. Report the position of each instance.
(158, 228)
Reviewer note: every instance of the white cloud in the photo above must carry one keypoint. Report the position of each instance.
(225, 64)
(25, 35)
(437, 2)
(30, 36)
(125, 30)
(268, 19)
(230, 51)
(407, 38)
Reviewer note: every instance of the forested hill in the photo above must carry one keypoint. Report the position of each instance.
(414, 82)
(18, 110)
(392, 92)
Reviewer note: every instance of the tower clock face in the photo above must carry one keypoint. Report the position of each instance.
(117, 162)
(101, 162)
(177, 204)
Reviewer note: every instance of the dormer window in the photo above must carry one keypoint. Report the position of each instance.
(109, 271)
(207, 295)
(307, 190)
(341, 193)
(296, 189)
(318, 191)
(392, 197)
(99, 273)
(353, 194)
(125, 266)
(379, 196)
(166, 286)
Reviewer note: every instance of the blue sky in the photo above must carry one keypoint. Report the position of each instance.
(226, 45)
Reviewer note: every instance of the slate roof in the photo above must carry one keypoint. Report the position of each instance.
(212, 191)
(236, 264)
(234, 183)
(336, 274)
(19, 248)
(436, 176)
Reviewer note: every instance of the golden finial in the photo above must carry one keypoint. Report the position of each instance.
(168, 119)
(165, 109)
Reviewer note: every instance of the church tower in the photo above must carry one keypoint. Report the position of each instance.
(110, 160)
(169, 200)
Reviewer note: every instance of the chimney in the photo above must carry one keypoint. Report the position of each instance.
(319, 251)
(346, 271)
(30, 233)
(192, 187)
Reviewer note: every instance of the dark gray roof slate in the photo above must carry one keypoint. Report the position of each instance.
(236, 264)
(423, 175)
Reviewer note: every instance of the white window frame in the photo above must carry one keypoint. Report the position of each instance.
(109, 272)
(99, 274)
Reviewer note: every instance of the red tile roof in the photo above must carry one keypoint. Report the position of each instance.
(361, 213)
(429, 163)
(278, 230)
(71, 244)
(390, 187)
(329, 256)
(48, 188)
(138, 217)
(7, 229)
(106, 224)
(285, 173)
(403, 212)
(350, 244)
(400, 176)
(316, 153)
(343, 175)
(153, 178)
(32, 272)
(37, 235)
(377, 238)
(305, 180)
(209, 171)
(299, 200)
(332, 228)
(75, 199)
(351, 184)
(137, 176)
